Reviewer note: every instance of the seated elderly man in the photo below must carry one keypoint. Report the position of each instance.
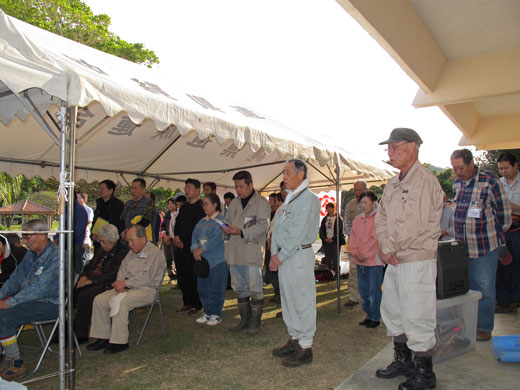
(30, 294)
(139, 276)
(97, 277)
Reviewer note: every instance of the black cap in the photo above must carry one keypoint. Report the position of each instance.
(403, 134)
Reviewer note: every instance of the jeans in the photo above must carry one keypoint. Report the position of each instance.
(212, 289)
(25, 313)
(247, 281)
(370, 280)
(482, 277)
(508, 276)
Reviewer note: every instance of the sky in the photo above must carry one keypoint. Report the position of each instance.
(306, 63)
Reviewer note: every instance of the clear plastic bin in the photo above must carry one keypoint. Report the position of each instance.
(456, 325)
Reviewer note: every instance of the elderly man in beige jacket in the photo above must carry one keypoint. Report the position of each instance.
(139, 275)
(248, 218)
(408, 227)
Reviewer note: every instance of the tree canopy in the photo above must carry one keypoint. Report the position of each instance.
(74, 19)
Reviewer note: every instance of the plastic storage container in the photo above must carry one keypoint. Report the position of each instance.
(507, 348)
(456, 325)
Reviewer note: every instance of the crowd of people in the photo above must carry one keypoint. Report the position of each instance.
(249, 240)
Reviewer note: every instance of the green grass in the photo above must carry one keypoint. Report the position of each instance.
(194, 356)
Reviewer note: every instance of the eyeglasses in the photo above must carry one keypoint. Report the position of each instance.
(392, 149)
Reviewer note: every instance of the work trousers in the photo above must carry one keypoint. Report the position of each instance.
(298, 296)
(409, 304)
(246, 280)
(115, 329)
(353, 292)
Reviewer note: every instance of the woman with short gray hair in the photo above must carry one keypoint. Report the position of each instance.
(97, 277)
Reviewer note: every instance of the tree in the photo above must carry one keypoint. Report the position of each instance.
(74, 19)
(10, 192)
(445, 178)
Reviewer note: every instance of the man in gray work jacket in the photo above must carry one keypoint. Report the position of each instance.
(248, 219)
(295, 230)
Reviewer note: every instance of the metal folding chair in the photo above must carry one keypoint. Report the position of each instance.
(44, 340)
(156, 302)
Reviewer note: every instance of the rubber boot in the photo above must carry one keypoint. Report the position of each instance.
(257, 307)
(423, 376)
(244, 308)
(402, 364)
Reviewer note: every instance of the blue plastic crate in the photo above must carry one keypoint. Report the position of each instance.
(507, 348)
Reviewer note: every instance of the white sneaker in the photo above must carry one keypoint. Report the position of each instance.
(202, 319)
(214, 320)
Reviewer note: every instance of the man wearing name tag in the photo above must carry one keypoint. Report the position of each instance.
(139, 276)
(482, 215)
(295, 230)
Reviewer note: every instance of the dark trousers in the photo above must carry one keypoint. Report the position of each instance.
(271, 276)
(168, 254)
(331, 255)
(186, 278)
(508, 276)
(84, 299)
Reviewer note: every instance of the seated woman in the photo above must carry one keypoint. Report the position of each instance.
(97, 277)
(8, 260)
(207, 242)
(363, 249)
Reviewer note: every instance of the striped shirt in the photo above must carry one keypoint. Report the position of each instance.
(481, 234)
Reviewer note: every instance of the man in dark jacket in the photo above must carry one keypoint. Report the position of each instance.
(329, 237)
(190, 213)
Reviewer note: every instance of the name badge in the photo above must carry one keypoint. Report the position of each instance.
(475, 209)
(39, 271)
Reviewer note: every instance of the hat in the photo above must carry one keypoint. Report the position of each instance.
(201, 268)
(403, 134)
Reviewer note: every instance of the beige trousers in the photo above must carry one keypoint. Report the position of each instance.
(116, 328)
(409, 304)
(353, 292)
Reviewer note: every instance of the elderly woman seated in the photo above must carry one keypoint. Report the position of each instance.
(97, 277)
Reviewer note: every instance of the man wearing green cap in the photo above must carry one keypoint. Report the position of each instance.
(408, 227)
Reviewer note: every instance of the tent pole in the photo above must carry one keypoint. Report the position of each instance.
(62, 243)
(338, 245)
(73, 111)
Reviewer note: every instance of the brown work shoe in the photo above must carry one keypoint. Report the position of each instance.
(298, 357)
(12, 369)
(483, 335)
(286, 349)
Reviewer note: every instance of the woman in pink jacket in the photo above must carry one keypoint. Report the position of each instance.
(363, 249)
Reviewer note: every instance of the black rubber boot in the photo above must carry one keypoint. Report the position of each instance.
(257, 307)
(244, 308)
(402, 364)
(423, 376)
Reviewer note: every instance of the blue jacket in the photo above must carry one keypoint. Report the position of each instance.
(208, 236)
(35, 279)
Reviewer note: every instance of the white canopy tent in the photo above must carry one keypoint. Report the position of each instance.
(120, 121)
(129, 123)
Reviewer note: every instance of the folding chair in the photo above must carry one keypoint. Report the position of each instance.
(44, 340)
(156, 302)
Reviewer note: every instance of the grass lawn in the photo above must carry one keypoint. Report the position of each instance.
(194, 356)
